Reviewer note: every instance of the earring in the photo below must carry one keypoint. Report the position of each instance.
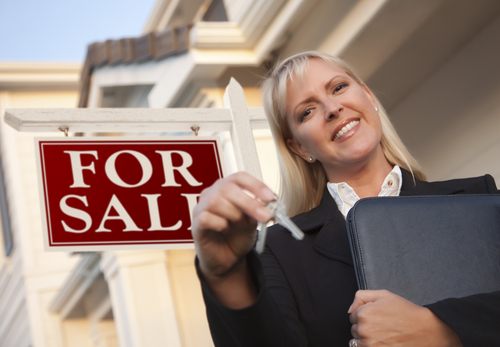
(376, 108)
(310, 159)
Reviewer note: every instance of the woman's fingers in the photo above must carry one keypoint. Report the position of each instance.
(365, 296)
(354, 331)
(253, 185)
(225, 217)
(222, 206)
(227, 198)
(380, 317)
(210, 221)
(235, 191)
(231, 203)
(225, 220)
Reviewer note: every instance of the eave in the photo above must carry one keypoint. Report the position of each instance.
(39, 76)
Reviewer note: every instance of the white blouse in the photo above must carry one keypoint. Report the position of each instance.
(345, 197)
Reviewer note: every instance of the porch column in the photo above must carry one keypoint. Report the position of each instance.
(141, 298)
(103, 334)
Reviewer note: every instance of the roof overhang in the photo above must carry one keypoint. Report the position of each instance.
(39, 76)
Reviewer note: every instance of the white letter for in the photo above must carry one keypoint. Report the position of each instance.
(77, 168)
(192, 201)
(76, 213)
(154, 214)
(122, 215)
(168, 168)
(147, 169)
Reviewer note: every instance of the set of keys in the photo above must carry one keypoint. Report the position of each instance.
(277, 210)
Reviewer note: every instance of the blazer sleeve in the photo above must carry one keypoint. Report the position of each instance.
(476, 318)
(265, 323)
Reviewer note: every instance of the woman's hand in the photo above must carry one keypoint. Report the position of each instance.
(224, 232)
(381, 318)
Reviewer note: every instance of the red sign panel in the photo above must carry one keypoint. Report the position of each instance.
(101, 194)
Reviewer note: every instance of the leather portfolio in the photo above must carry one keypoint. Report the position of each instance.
(427, 248)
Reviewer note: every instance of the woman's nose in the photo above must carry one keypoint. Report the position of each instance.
(333, 110)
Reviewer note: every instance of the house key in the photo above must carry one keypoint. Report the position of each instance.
(277, 210)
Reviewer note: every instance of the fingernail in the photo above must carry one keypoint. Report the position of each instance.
(267, 194)
(349, 310)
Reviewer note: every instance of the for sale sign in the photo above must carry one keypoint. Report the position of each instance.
(100, 194)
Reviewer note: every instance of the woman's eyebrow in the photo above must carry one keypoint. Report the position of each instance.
(310, 99)
(330, 82)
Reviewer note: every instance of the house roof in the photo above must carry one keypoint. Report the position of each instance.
(151, 46)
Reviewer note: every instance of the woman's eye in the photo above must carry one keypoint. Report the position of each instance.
(339, 87)
(305, 114)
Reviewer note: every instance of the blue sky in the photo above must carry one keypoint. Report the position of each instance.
(60, 30)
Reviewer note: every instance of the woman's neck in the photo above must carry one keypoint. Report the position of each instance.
(367, 179)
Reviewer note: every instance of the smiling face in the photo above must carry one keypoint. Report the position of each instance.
(334, 120)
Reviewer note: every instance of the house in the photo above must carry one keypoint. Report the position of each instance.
(29, 277)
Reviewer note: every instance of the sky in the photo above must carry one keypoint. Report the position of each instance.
(60, 30)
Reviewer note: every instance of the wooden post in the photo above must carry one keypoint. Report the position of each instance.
(241, 130)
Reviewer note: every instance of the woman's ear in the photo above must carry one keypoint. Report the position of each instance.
(297, 148)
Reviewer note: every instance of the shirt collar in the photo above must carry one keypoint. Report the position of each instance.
(345, 197)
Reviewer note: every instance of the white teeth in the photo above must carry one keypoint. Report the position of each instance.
(345, 129)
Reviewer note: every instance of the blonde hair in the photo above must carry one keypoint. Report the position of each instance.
(302, 183)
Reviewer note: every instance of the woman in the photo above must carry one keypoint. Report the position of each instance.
(335, 145)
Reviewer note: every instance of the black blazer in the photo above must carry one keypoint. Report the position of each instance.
(306, 287)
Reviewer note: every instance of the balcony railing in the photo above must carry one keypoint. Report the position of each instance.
(152, 46)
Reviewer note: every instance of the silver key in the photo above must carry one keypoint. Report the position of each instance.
(277, 210)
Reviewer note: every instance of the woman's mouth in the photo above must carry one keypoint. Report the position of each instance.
(345, 129)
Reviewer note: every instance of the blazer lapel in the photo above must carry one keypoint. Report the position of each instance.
(328, 222)
(332, 240)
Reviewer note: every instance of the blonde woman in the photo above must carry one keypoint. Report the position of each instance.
(336, 145)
